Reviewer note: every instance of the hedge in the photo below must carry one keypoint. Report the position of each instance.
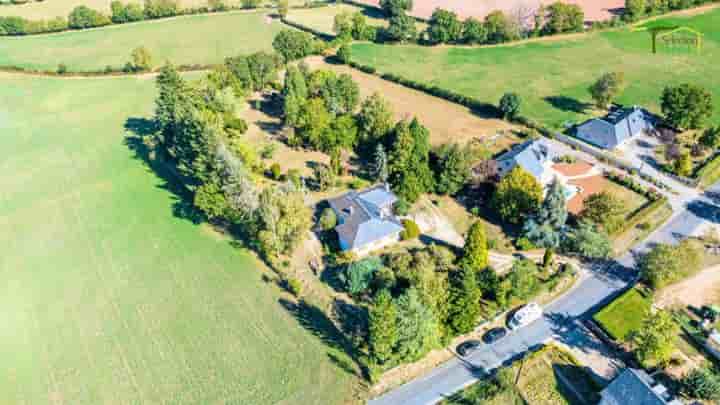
(18, 26)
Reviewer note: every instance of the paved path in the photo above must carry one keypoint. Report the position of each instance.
(560, 319)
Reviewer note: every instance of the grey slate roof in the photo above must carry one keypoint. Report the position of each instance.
(635, 387)
(616, 127)
(530, 155)
(365, 217)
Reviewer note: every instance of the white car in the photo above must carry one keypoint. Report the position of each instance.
(525, 316)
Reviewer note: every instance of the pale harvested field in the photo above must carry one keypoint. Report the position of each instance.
(447, 122)
(698, 290)
(595, 10)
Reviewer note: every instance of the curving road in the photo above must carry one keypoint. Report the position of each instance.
(602, 284)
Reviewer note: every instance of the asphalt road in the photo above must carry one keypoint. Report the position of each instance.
(592, 293)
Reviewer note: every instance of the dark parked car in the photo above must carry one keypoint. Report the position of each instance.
(494, 334)
(467, 347)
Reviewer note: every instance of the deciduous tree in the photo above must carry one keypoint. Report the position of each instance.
(517, 195)
(686, 106)
(607, 88)
(654, 342)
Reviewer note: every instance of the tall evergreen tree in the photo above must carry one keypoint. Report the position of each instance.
(380, 165)
(545, 228)
(465, 296)
(418, 329)
(475, 251)
(383, 333)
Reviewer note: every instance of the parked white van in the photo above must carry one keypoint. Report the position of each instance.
(525, 316)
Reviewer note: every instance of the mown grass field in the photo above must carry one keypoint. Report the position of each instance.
(197, 39)
(625, 314)
(107, 296)
(552, 76)
(323, 18)
(61, 8)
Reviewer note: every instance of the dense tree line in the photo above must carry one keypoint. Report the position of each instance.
(636, 9)
(198, 130)
(446, 28)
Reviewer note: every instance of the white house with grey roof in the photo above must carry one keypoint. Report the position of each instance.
(366, 221)
(534, 156)
(616, 128)
(636, 387)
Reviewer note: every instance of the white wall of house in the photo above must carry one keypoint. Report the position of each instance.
(376, 245)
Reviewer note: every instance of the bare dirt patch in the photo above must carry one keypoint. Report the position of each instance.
(698, 290)
(595, 10)
(447, 122)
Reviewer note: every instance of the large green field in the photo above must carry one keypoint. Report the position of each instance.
(107, 296)
(552, 76)
(198, 39)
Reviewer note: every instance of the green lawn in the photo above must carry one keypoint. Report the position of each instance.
(108, 296)
(552, 77)
(198, 39)
(625, 314)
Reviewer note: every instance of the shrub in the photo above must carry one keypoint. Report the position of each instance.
(524, 244)
(62, 69)
(294, 286)
(248, 4)
(344, 54)
(702, 383)
(402, 207)
(328, 219)
(412, 230)
(82, 17)
(275, 171)
(358, 275)
(141, 59)
(161, 8)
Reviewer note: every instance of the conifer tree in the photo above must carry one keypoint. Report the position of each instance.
(465, 296)
(475, 251)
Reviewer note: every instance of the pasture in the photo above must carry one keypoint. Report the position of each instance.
(110, 294)
(322, 19)
(36, 10)
(552, 75)
(196, 39)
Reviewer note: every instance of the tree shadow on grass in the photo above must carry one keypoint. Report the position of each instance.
(566, 103)
(137, 132)
(314, 320)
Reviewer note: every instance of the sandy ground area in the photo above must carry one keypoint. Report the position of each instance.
(447, 122)
(701, 289)
(595, 10)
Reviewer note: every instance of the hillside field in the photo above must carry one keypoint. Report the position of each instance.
(197, 39)
(322, 19)
(36, 10)
(552, 76)
(110, 297)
